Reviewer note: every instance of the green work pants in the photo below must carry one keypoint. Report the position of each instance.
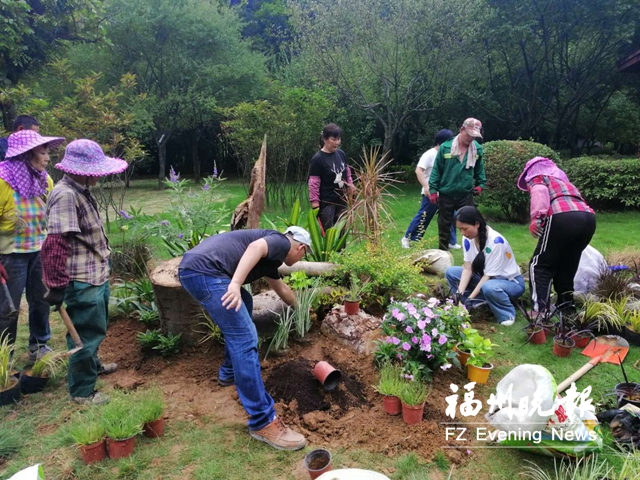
(88, 308)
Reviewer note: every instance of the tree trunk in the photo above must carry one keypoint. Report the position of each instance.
(248, 213)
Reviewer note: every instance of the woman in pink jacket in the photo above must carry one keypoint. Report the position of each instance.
(564, 225)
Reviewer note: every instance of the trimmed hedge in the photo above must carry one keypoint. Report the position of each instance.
(504, 161)
(606, 182)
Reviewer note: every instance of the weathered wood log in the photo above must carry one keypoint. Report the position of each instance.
(312, 269)
(248, 213)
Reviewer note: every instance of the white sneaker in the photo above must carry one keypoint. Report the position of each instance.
(508, 323)
(454, 246)
(405, 242)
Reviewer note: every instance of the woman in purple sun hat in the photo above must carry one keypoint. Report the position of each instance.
(76, 261)
(24, 186)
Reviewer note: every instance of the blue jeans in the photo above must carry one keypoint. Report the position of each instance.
(421, 222)
(499, 293)
(241, 362)
(25, 273)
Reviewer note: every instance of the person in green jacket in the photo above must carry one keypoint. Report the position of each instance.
(457, 175)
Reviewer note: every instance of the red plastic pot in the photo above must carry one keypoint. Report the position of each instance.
(462, 356)
(537, 337)
(412, 414)
(120, 448)
(95, 452)
(328, 376)
(581, 341)
(154, 429)
(392, 405)
(318, 462)
(351, 308)
(562, 348)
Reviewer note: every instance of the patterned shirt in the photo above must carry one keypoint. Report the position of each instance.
(72, 210)
(563, 196)
(31, 221)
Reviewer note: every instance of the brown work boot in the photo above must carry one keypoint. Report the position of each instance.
(279, 436)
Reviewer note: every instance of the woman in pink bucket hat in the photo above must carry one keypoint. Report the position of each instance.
(24, 186)
(76, 261)
(564, 225)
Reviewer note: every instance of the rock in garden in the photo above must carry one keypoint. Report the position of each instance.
(355, 331)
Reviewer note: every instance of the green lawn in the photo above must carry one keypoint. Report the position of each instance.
(208, 450)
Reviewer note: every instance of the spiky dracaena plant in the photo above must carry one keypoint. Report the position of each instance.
(6, 362)
(367, 211)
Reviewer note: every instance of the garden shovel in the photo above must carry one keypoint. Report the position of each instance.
(7, 294)
(71, 329)
(605, 348)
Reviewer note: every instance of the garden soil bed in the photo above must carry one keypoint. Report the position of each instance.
(351, 416)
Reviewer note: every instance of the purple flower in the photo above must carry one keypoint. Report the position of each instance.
(407, 377)
(429, 357)
(408, 330)
(442, 340)
(395, 340)
(215, 170)
(426, 339)
(448, 307)
(434, 332)
(395, 312)
(406, 346)
(165, 223)
(125, 215)
(173, 176)
(425, 347)
(399, 356)
(446, 366)
(422, 324)
(388, 340)
(411, 309)
(401, 316)
(181, 236)
(206, 187)
(427, 311)
(414, 339)
(464, 326)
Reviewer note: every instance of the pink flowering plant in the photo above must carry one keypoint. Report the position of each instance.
(420, 335)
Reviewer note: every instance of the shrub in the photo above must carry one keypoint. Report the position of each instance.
(606, 182)
(504, 161)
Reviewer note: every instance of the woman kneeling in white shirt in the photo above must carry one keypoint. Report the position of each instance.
(490, 271)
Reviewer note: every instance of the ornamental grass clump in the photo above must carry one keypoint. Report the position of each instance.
(413, 393)
(86, 428)
(390, 382)
(150, 405)
(420, 335)
(120, 418)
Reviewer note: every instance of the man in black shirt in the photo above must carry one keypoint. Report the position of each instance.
(213, 273)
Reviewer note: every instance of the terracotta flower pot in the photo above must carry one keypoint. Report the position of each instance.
(562, 348)
(392, 405)
(581, 341)
(328, 376)
(318, 462)
(537, 336)
(412, 414)
(10, 395)
(462, 355)
(120, 448)
(548, 328)
(95, 452)
(30, 384)
(351, 308)
(154, 429)
(624, 393)
(478, 374)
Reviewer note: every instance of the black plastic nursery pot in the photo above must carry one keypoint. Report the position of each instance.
(30, 384)
(631, 336)
(628, 393)
(12, 394)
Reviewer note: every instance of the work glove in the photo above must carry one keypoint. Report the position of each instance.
(3, 273)
(535, 227)
(456, 297)
(55, 297)
(477, 191)
(433, 198)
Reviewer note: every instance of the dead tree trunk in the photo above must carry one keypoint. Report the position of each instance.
(248, 213)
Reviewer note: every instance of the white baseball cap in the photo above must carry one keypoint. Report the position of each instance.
(299, 234)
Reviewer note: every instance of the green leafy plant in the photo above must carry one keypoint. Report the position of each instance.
(305, 299)
(120, 417)
(168, 345)
(633, 320)
(585, 468)
(480, 348)
(48, 365)
(390, 381)
(6, 361)
(280, 340)
(597, 315)
(10, 439)
(149, 314)
(211, 331)
(384, 352)
(355, 290)
(504, 161)
(299, 280)
(149, 339)
(413, 392)
(86, 428)
(150, 404)
(324, 246)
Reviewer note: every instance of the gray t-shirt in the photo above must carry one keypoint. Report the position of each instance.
(219, 255)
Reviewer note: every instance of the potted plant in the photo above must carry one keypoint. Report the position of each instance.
(413, 395)
(478, 365)
(150, 410)
(121, 425)
(463, 351)
(87, 432)
(536, 324)
(628, 392)
(563, 342)
(9, 386)
(34, 378)
(597, 316)
(632, 327)
(353, 297)
(389, 386)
